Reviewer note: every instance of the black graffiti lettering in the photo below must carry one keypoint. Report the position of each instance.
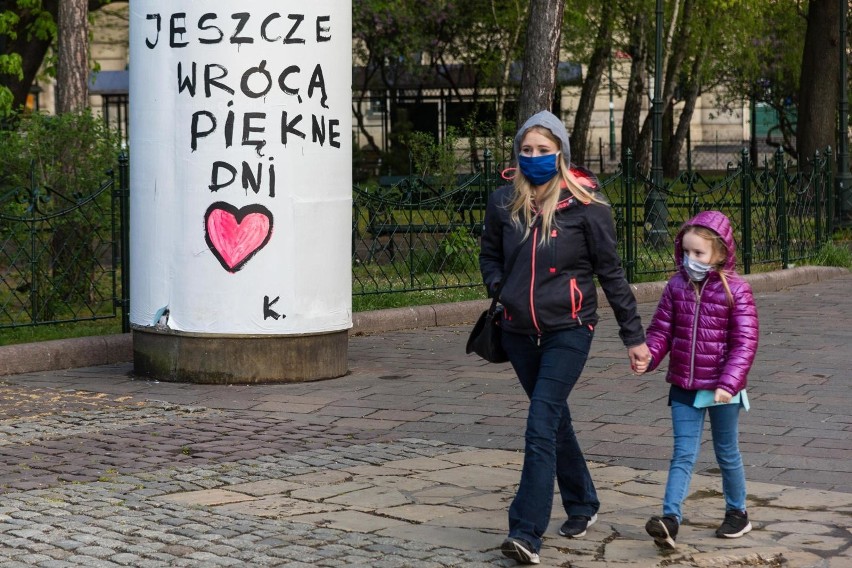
(317, 81)
(211, 81)
(267, 308)
(250, 180)
(321, 28)
(177, 30)
(318, 131)
(290, 127)
(265, 24)
(215, 184)
(261, 70)
(187, 82)
(203, 20)
(297, 21)
(229, 126)
(242, 19)
(248, 129)
(333, 133)
(195, 133)
(211, 29)
(282, 80)
(223, 174)
(158, 19)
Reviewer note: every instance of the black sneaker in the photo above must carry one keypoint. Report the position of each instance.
(576, 525)
(664, 531)
(735, 525)
(519, 550)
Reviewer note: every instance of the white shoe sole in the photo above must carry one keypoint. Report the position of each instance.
(746, 529)
(518, 552)
(592, 521)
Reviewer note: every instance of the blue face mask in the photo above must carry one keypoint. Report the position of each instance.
(538, 169)
(695, 269)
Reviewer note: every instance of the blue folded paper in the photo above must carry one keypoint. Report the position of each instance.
(704, 398)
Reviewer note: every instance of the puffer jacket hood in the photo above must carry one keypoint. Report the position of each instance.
(717, 222)
(550, 121)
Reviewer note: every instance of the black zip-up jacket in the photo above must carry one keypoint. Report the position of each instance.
(551, 287)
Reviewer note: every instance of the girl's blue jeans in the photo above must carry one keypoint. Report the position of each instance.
(688, 426)
(547, 373)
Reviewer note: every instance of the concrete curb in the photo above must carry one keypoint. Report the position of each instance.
(107, 349)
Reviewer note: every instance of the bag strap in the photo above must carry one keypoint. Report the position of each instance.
(506, 276)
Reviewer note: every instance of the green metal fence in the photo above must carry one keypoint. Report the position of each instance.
(411, 236)
(61, 255)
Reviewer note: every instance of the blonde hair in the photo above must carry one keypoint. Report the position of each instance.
(524, 205)
(720, 250)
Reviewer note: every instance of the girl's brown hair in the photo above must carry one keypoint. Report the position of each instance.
(525, 206)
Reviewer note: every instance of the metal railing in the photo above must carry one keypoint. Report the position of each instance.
(62, 255)
(412, 236)
(63, 258)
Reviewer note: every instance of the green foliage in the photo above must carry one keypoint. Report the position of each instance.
(436, 159)
(459, 252)
(70, 152)
(54, 170)
(834, 254)
(38, 24)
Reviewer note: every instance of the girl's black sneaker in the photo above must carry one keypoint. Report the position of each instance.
(735, 525)
(664, 530)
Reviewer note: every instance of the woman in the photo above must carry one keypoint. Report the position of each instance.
(566, 235)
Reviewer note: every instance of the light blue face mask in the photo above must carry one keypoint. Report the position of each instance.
(695, 269)
(539, 169)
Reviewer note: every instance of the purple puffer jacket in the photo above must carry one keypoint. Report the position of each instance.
(711, 344)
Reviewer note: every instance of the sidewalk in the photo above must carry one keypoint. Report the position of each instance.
(412, 458)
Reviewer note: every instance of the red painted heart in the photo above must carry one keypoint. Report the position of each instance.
(235, 235)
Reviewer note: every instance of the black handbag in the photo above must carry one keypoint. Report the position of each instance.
(486, 337)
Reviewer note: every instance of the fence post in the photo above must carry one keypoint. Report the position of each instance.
(748, 242)
(781, 207)
(828, 175)
(124, 218)
(819, 173)
(35, 281)
(628, 216)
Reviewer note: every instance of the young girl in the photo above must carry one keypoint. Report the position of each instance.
(707, 322)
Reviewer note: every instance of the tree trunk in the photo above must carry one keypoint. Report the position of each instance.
(636, 86)
(597, 65)
(671, 159)
(541, 56)
(818, 90)
(72, 75)
(31, 49)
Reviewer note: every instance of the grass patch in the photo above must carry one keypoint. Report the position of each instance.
(47, 332)
(420, 298)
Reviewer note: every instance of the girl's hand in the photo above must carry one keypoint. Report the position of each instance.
(640, 358)
(722, 396)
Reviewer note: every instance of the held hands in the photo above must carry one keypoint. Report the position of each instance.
(640, 358)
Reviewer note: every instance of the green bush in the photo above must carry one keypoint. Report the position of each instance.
(54, 169)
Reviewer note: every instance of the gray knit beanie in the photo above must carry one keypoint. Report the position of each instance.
(548, 120)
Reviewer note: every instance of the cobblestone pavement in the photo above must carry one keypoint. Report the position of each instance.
(412, 458)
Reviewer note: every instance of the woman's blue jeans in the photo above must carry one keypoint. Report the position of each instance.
(547, 373)
(688, 426)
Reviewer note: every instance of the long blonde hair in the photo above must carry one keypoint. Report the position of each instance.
(524, 207)
(720, 249)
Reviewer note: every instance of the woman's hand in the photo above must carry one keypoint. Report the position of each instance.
(640, 358)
